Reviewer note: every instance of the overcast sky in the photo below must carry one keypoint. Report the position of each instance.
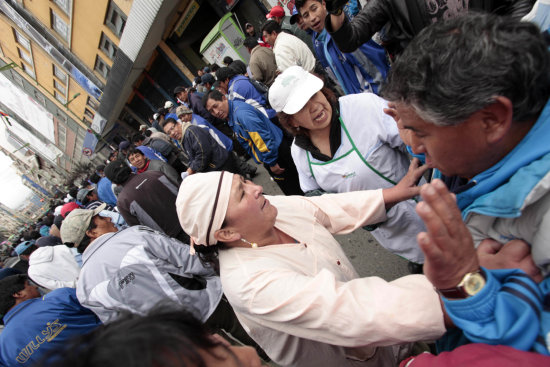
(12, 191)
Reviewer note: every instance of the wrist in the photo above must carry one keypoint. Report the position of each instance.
(469, 285)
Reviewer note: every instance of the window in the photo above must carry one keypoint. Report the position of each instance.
(22, 40)
(25, 56)
(91, 102)
(59, 25)
(115, 19)
(60, 74)
(17, 78)
(60, 87)
(38, 97)
(28, 69)
(107, 46)
(62, 136)
(101, 67)
(89, 114)
(60, 97)
(63, 5)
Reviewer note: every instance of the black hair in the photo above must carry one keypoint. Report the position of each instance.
(238, 66)
(214, 94)
(29, 250)
(148, 133)
(169, 120)
(225, 73)
(137, 137)
(214, 67)
(94, 178)
(8, 287)
(73, 191)
(135, 150)
(250, 42)
(271, 26)
(227, 60)
(168, 336)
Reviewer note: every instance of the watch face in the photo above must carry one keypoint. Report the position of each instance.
(474, 283)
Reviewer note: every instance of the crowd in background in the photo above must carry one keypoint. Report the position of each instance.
(425, 124)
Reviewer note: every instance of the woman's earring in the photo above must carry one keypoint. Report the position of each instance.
(252, 244)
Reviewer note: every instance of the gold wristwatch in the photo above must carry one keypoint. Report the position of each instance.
(471, 284)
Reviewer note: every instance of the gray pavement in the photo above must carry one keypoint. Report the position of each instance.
(368, 257)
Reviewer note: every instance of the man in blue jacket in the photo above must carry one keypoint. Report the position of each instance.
(481, 112)
(358, 71)
(259, 137)
(34, 325)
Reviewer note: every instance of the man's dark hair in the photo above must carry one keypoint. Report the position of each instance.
(73, 191)
(456, 67)
(8, 287)
(118, 172)
(167, 337)
(271, 26)
(168, 121)
(238, 66)
(148, 133)
(29, 250)
(298, 4)
(227, 60)
(250, 42)
(225, 73)
(214, 67)
(31, 235)
(216, 95)
(135, 150)
(94, 178)
(137, 137)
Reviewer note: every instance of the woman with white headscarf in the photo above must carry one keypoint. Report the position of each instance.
(289, 281)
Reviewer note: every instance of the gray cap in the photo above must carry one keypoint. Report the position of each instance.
(77, 222)
(81, 195)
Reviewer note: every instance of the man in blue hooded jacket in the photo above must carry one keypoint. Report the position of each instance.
(35, 325)
(481, 112)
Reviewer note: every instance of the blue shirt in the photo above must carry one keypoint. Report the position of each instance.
(39, 325)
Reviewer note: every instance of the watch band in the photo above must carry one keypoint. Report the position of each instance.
(471, 284)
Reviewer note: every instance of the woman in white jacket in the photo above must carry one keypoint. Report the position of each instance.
(346, 145)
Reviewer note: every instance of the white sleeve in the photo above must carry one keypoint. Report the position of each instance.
(307, 181)
(363, 311)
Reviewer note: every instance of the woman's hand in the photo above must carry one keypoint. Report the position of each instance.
(406, 188)
(276, 169)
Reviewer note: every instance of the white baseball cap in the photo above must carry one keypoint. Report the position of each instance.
(292, 89)
(168, 104)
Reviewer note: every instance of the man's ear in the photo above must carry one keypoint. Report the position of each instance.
(226, 235)
(497, 119)
(18, 294)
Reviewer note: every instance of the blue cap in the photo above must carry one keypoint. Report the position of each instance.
(23, 246)
(171, 115)
(294, 15)
(207, 78)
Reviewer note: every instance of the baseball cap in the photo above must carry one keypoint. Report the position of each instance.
(118, 172)
(179, 90)
(171, 116)
(81, 196)
(207, 78)
(182, 110)
(23, 246)
(248, 25)
(292, 89)
(294, 16)
(67, 208)
(77, 222)
(276, 11)
(168, 104)
(206, 69)
(123, 145)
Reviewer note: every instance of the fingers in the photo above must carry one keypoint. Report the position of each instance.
(489, 246)
(430, 250)
(437, 232)
(442, 202)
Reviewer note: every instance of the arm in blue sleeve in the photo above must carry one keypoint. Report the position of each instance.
(264, 136)
(507, 311)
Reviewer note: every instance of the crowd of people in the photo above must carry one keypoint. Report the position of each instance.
(425, 125)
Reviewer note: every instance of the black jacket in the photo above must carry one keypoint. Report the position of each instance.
(401, 20)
